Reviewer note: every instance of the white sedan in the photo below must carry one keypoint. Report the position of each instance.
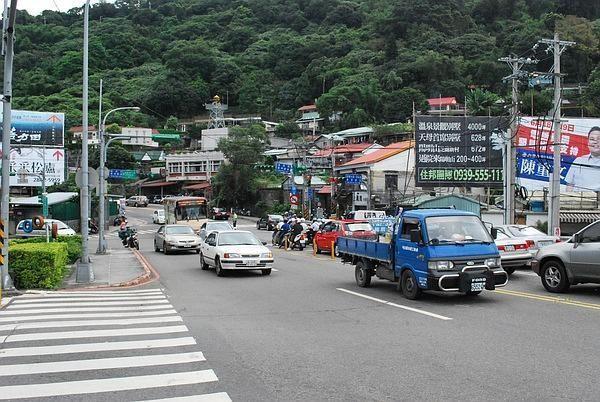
(63, 229)
(235, 250)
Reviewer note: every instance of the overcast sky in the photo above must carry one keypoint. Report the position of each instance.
(35, 7)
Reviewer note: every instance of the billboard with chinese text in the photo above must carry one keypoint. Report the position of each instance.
(580, 153)
(36, 128)
(459, 151)
(27, 166)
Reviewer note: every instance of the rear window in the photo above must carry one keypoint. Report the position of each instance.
(357, 227)
(526, 231)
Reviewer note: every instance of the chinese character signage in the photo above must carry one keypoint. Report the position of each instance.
(36, 128)
(283, 168)
(459, 151)
(580, 153)
(353, 178)
(122, 174)
(29, 166)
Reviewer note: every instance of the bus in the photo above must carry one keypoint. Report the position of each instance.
(190, 211)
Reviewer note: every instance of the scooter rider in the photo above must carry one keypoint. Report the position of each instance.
(296, 230)
(285, 228)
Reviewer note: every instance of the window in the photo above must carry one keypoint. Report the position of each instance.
(407, 226)
(591, 235)
(211, 239)
(391, 181)
(214, 166)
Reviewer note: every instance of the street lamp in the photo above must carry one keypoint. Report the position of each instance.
(101, 190)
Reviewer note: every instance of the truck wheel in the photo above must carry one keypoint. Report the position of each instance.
(362, 276)
(509, 270)
(554, 277)
(410, 288)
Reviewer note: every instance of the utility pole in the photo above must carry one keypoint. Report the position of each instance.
(84, 268)
(556, 46)
(510, 154)
(8, 33)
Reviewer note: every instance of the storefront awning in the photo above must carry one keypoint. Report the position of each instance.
(157, 184)
(197, 186)
(579, 216)
(325, 190)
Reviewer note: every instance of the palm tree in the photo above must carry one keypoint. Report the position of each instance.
(481, 102)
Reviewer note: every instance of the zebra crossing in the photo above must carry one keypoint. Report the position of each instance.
(101, 345)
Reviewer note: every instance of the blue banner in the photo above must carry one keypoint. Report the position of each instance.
(537, 166)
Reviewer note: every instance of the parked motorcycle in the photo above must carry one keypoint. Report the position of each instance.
(298, 242)
(92, 227)
(132, 240)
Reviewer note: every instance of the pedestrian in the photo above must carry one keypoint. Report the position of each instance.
(235, 217)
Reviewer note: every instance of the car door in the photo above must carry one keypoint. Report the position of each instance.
(585, 258)
(209, 248)
(159, 237)
(323, 241)
(408, 252)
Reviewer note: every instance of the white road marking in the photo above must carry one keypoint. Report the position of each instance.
(95, 347)
(85, 309)
(31, 300)
(92, 334)
(45, 317)
(275, 269)
(86, 304)
(216, 397)
(94, 292)
(88, 323)
(106, 385)
(527, 273)
(414, 310)
(101, 364)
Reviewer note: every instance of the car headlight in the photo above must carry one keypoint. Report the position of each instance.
(266, 255)
(493, 262)
(231, 255)
(441, 265)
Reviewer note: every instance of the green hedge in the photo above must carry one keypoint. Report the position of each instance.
(37, 265)
(73, 245)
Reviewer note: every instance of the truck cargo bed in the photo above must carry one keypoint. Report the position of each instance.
(365, 248)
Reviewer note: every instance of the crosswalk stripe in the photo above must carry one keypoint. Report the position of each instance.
(106, 385)
(95, 347)
(86, 304)
(98, 292)
(84, 299)
(101, 364)
(45, 317)
(92, 334)
(88, 323)
(216, 397)
(86, 309)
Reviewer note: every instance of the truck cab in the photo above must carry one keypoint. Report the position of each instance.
(431, 249)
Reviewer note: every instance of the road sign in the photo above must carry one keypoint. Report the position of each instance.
(122, 174)
(283, 168)
(353, 178)
(293, 199)
(93, 178)
(30, 163)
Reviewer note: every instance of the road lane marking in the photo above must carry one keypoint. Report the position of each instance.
(92, 334)
(94, 292)
(106, 385)
(89, 323)
(216, 397)
(414, 310)
(275, 269)
(86, 304)
(31, 300)
(19, 318)
(131, 309)
(95, 347)
(101, 364)
(551, 299)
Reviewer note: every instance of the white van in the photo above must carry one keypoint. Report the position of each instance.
(365, 214)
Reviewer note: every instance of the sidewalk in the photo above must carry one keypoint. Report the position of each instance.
(118, 267)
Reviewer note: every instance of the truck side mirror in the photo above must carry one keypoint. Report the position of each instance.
(415, 235)
(494, 232)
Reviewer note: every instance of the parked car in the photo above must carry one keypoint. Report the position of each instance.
(514, 252)
(63, 229)
(534, 238)
(268, 222)
(233, 250)
(158, 216)
(213, 226)
(220, 214)
(575, 261)
(137, 201)
(170, 238)
(331, 230)
(156, 199)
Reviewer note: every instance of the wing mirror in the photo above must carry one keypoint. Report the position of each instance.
(494, 233)
(577, 239)
(264, 243)
(415, 236)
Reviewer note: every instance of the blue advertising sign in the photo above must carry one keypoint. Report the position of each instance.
(353, 178)
(36, 128)
(536, 166)
(283, 168)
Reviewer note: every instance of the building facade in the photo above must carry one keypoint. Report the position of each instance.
(140, 136)
(197, 166)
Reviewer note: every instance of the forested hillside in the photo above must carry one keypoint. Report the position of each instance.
(369, 59)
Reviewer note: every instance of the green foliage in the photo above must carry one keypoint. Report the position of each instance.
(287, 129)
(278, 208)
(73, 245)
(390, 129)
(37, 265)
(481, 103)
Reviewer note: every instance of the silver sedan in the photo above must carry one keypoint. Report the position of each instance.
(170, 238)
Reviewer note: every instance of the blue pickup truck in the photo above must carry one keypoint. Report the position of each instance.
(431, 249)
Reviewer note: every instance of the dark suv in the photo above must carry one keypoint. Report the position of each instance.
(268, 222)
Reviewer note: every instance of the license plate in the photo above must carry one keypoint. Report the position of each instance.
(509, 248)
(544, 243)
(252, 263)
(477, 286)
(187, 245)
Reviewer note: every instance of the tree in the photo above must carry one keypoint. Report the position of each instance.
(171, 123)
(481, 102)
(287, 129)
(118, 157)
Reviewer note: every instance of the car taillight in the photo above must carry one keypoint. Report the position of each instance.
(522, 246)
(530, 244)
(501, 248)
(557, 240)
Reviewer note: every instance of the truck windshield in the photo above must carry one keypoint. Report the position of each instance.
(457, 229)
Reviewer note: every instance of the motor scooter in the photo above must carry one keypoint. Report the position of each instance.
(132, 240)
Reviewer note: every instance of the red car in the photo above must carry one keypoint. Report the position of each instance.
(330, 231)
(220, 214)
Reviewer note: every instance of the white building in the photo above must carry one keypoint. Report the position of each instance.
(92, 134)
(140, 136)
(198, 166)
(211, 138)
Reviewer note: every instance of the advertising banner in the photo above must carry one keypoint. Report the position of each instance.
(459, 151)
(36, 128)
(580, 153)
(27, 166)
